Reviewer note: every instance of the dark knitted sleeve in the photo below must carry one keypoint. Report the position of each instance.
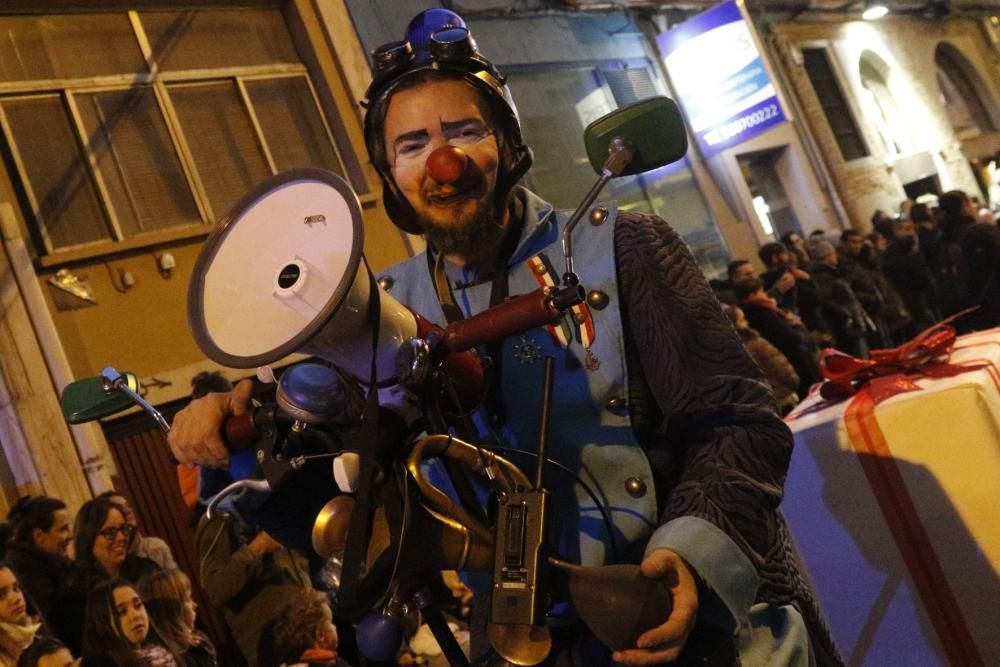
(721, 422)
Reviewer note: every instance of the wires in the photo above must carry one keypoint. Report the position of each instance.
(608, 526)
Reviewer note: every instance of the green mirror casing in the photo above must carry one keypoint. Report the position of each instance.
(655, 128)
(87, 399)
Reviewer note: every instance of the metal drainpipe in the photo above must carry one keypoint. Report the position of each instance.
(89, 439)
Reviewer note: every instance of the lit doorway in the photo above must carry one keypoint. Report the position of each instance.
(762, 172)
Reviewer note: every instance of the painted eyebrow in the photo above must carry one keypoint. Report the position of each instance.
(410, 136)
(446, 127)
(452, 125)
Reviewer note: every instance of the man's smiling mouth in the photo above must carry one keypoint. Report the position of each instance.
(448, 199)
(451, 196)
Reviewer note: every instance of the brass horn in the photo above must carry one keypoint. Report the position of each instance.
(467, 543)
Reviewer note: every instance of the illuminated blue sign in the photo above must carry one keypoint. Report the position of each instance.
(720, 79)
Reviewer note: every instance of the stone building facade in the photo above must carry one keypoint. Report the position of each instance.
(916, 123)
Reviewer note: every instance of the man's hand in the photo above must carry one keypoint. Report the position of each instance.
(785, 282)
(196, 434)
(664, 643)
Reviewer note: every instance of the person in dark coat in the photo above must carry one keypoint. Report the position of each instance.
(850, 323)
(39, 548)
(781, 329)
(904, 266)
(777, 369)
(865, 287)
(969, 251)
(781, 261)
(779, 281)
(928, 232)
(251, 581)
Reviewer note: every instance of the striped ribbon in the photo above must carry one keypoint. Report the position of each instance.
(580, 320)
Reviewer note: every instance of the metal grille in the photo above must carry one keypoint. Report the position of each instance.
(630, 85)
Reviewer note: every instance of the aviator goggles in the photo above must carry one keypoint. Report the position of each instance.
(451, 47)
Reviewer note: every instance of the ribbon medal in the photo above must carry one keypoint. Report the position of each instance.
(579, 320)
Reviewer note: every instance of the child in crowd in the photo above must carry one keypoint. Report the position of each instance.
(171, 611)
(305, 634)
(116, 632)
(47, 652)
(777, 369)
(17, 628)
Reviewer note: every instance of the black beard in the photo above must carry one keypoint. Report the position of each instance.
(469, 240)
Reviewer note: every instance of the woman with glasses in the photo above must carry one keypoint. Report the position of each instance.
(147, 546)
(102, 542)
(101, 547)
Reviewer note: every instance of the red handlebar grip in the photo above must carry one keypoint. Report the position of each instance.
(240, 432)
(518, 315)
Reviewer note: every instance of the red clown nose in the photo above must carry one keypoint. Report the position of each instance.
(447, 164)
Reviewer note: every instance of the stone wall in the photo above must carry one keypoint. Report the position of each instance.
(906, 46)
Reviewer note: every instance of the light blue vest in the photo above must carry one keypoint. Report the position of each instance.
(590, 432)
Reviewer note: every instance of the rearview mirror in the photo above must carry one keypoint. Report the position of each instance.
(93, 398)
(654, 127)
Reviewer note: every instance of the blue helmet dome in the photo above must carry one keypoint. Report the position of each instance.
(429, 21)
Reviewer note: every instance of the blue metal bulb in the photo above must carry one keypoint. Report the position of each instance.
(379, 637)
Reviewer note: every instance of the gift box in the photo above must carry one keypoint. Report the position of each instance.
(893, 500)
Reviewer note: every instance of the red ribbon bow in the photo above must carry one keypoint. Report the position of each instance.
(889, 372)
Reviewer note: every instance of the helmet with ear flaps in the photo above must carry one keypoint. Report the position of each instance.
(439, 46)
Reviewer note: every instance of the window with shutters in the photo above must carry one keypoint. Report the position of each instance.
(127, 128)
(834, 102)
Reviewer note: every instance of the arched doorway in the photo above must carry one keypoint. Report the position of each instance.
(974, 117)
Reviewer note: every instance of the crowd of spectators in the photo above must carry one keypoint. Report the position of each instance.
(92, 586)
(859, 292)
(95, 588)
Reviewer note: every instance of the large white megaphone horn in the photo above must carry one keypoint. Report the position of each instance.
(283, 273)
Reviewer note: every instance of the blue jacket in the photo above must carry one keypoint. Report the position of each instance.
(670, 422)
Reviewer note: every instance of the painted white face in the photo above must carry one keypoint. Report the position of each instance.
(423, 118)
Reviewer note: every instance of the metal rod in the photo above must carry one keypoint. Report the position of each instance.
(439, 628)
(119, 381)
(567, 241)
(543, 426)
